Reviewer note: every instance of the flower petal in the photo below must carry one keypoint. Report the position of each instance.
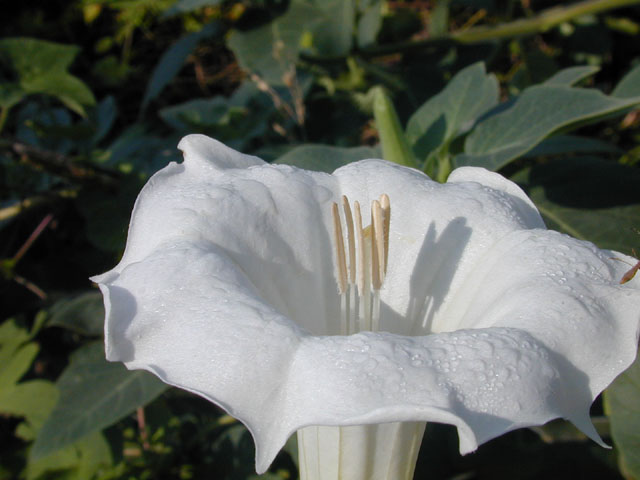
(228, 272)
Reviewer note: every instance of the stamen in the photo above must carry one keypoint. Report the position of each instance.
(351, 239)
(360, 233)
(377, 245)
(386, 215)
(363, 265)
(340, 257)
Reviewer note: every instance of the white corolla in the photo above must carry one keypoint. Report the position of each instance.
(354, 307)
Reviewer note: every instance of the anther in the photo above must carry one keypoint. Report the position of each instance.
(351, 241)
(363, 264)
(386, 215)
(339, 242)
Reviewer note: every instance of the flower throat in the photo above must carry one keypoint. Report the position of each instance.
(361, 266)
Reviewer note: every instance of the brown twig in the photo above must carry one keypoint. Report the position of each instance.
(142, 427)
(62, 165)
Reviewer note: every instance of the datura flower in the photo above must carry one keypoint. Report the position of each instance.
(354, 307)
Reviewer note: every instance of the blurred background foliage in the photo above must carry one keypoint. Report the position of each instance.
(95, 94)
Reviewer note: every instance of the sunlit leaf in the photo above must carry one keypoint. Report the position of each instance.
(537, 113)
(41, 67)
(572, 75)
(470, 94)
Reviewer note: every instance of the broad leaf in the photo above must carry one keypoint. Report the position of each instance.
(324, 158)
(622, 405)
(41, 67)
(16, 354)
(588, 198)
(80, 461)
(271, 51)
(333, 33)
(572, 75)
(369, 21)
(93, 395)
(563, 144)
(83, 314)
(629, 86)
(33, 400)
(173, 59)
(534, 115)
(470, 94)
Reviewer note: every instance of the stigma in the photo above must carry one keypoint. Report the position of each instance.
(361, 256)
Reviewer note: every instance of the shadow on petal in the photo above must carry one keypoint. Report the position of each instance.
(433, 273)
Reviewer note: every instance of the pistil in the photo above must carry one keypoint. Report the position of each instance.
(362, 266)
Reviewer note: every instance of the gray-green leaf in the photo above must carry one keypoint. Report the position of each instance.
(587, 197)
(537, 113)
(271, 51)
(324, 158)
(83, 314)
(470, 94)
(629, 86)
(572, 75)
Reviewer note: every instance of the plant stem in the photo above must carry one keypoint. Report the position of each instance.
(542, 22)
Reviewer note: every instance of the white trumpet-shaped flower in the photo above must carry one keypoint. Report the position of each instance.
(254, 285)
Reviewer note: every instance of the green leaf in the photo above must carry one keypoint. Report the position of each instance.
(201, 112)
(31, 58)
(324, 158)
(562, 144)
(572, 75)
(14, 367)
(369, 22)
(83, 314)
(173, 59)
(94, 394)
(10, 94)
(395, 147)
(33, 400)
(452, 112)
(70, 90)
(333, 31)
(622, 405)
(41, 68)
(16, 354)
(629, 86)
(271, 51)
(588, 198)
(537, 113)
(80, 461)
